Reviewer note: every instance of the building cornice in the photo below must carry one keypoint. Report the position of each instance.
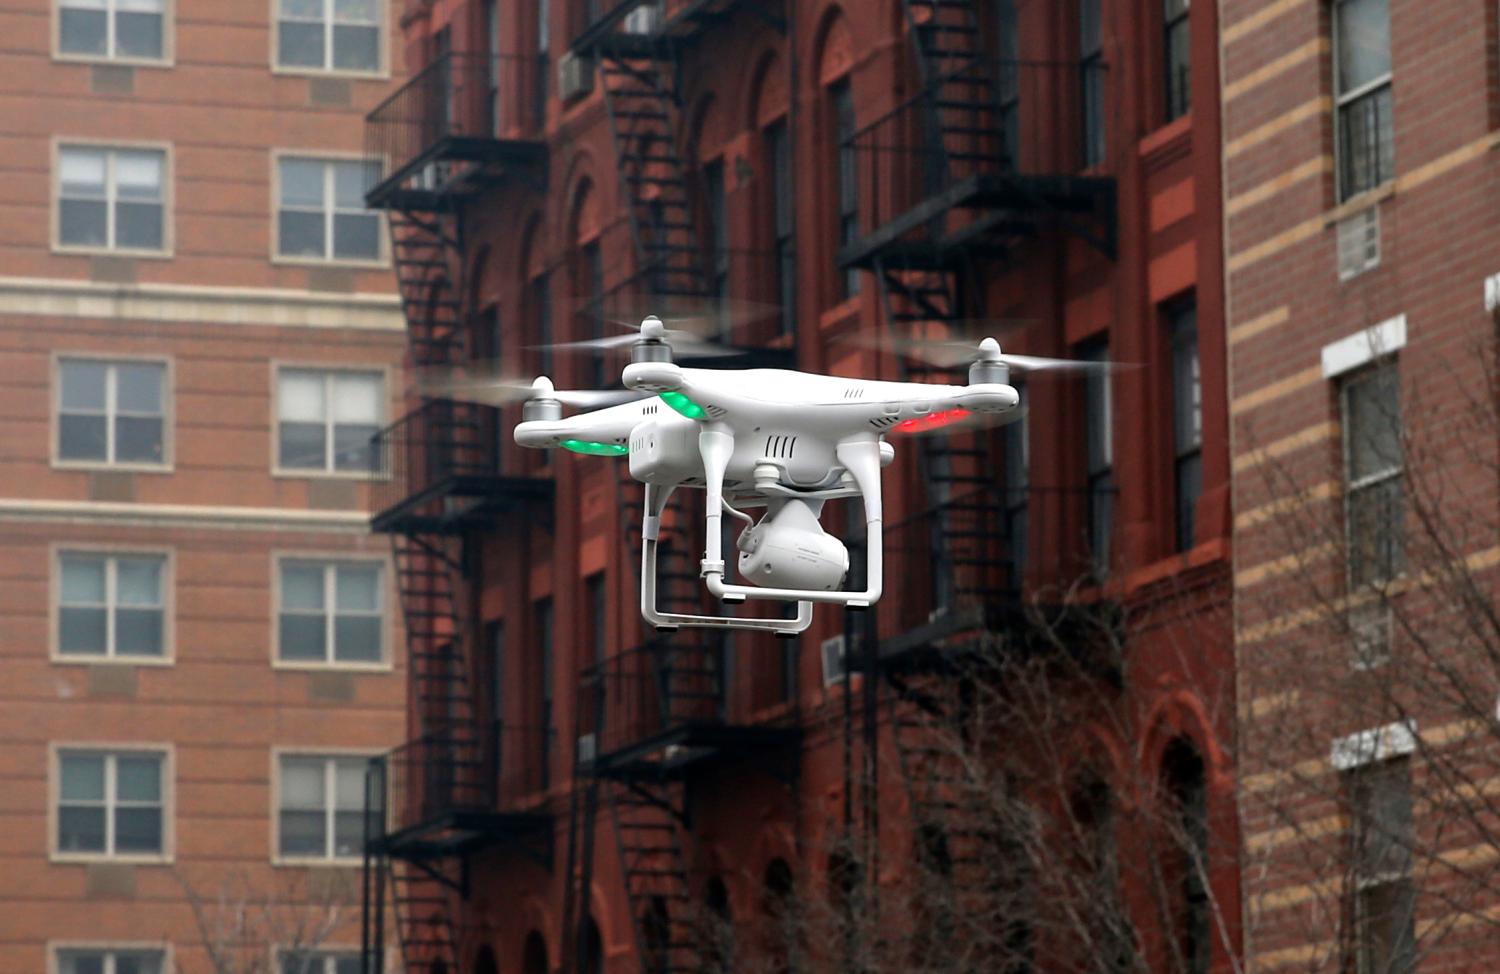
(93, 513)
(160, 303)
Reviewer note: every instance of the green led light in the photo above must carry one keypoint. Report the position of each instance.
(683, 405)
(592, 449)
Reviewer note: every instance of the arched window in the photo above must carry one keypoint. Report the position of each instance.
(835, 72)
(588, 276)
(718, 928)
(780, 918)
(776, 224)
(484, 961)
(1097, 885)
(1187, 844)
(656, 936)
(534, 955)
(591, 957)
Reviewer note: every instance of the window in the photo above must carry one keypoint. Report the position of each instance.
(1016, 452)
(320, 209)
(1091, 77)
(543, 64)
(592, 268)
(1373, 504)
(1187, 791)
(111, 199)
(841, 99)
(116, 30)
(319, 962)
(1176, 45)
(328, 35)
(541, 312)
(110, 961)
(110, 803)
(779, 158)
(1099, 452)
(542, 627)
(717, 205)
(1008, 79)
(111, 606)
(330, 612)
(492, 66)
(1187, 418)
(322, 807)
(325, 419)
(1362, 89)
(598, 604)
(1385, 898)
(111, 412)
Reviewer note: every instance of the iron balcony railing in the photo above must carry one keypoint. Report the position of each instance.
(647, 691)
(433, 778)
(1018, 127)
(983, 552)
(429, 453)
(460, 107)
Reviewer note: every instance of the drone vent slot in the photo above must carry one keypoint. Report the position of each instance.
(715, 411)
(854, 392)
(884, 422)
(780, 446)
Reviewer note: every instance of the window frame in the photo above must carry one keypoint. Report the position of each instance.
(776, 144)
(1176, 103)
(1103, 476)
(58, 947)
(324, 951)
(326, 560)
(1093, 146)
(838, 94)
(329, 755)
(167, 753)
(59, 145)
(55, 554)
(382, 70)
(168, 415)
(168, 40)
(1362, 884)
(1181, 325)
(383, 419)
(1344, 99)
(382, 258)
(1352, 486)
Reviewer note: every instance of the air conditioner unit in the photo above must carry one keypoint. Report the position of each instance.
(575, 76)
(644, 19)
(1359, 243)
(588, 748)
(835, 663)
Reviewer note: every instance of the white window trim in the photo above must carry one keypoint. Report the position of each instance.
(55, 947)
(168, 199)
(166, 751)
(168, 656)
(1367, 747)
(387, 661)
(1492, 293)
(382, 260)
(1364, 347)
(277, 753)
(381, 71)
(168, 41)
(1341, 100)
(323, 473)
(279, 950)
(169, 418)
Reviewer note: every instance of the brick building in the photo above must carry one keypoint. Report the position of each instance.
(1359, 195)
(579, 794)
(198, 337)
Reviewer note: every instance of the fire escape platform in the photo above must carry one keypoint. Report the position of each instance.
(1007, 204)
(690, 744)
(460, 833)
(684, 21)
(458, 502)
(490, 161)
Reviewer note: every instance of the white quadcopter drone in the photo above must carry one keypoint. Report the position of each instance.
(756, 438)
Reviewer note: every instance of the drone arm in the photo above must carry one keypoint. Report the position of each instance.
(716, 446)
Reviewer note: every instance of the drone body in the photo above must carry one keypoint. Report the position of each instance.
(761, 438)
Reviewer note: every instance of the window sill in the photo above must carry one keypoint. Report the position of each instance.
(378, 264)
(315, 862)
(1360, 203)
(100, 466)
(380, 74)
(353, 668)
(119, 62)
(98, 858)
(65, 250)
(159, 662)
(1165, 137)
(292, 473)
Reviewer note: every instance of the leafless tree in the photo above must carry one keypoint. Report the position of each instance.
(250, 927)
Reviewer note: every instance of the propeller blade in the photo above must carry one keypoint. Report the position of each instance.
(1036, 363)
(683, 342)
(703, 317)
(504, 391)
(589, 344)
(948, 354)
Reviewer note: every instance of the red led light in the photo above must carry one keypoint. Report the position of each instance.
(931, 421)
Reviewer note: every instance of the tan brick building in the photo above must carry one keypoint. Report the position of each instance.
(197, 338)
(1360, 206)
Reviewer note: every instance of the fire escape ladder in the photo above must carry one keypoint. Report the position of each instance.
(958, 80)
(423, 903)
(650, 836)
(644, 107)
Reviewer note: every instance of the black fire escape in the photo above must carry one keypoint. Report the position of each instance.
(437, 484)
(990, 163)
(653, 719)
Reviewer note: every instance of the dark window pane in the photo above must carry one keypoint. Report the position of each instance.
(356, 236)
(303, 834)
(138, 35)
(138, 225)
(81, 223)
(348, 833)
(357, 639)
(138, 778)
(303, 638)
(351, 444)
(346, 965)
(138, 440)
(1364, 41)
(301, 234)
(302, 446)
(83, 385)
(83, 31)
(81, 631)
(138, 632)
(79, 962)
(80, 829)
(142, 962)
(356, 48)
(82, 438)
(82, 778)
(1374, 424)
(1189, 487)
(300, 45)
(137, 829)
(138, 387)
(1375, 528)
(1366, 143)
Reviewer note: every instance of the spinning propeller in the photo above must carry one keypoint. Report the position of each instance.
(951, 353)
(499, 390)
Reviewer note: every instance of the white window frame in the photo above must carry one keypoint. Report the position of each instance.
(167, 754)
(168, 417)
(168, 39)
(1343, 99)
(329, 562)
(168, 594)
(382, 233)
(168, 241)
(329, 756)
(325, 472)
(1355, 486)
(57, 947)
(327, 953)
(382, 25)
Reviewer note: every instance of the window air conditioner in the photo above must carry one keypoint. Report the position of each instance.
(835, 664)
(575, 76)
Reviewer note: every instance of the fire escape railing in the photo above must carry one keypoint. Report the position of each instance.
(422, 455)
